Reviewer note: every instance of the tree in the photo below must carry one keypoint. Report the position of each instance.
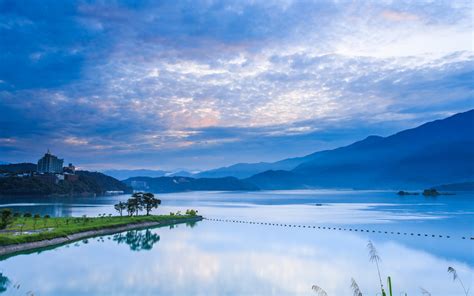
(120, 207)
(132, 206)
(35, 217)
(150, 202)
(191, 212)
(46, 217)
(6, 218)
(137, 199)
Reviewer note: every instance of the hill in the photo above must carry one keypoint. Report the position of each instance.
(437, 152)
(87, 183)
(18, 168)
(465, 186)
(180, 184)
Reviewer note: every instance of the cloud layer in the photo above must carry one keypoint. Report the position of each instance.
(208, 83)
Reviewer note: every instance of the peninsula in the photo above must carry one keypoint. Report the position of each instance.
(23, 232)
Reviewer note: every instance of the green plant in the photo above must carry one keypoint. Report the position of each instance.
(27, 215)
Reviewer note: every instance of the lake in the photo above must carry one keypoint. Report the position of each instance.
(416, 237)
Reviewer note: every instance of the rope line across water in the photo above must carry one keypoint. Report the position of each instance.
(338, 228)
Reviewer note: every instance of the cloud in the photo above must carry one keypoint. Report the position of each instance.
(173, 82)
(399, 16)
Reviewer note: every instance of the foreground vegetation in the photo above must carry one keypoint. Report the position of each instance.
(17, 228)
(29, 229)
(375, 258)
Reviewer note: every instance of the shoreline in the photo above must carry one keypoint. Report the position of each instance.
(29, 246)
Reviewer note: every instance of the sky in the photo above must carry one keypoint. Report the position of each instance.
(203, 84)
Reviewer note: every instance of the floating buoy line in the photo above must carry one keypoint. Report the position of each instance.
(289, 225)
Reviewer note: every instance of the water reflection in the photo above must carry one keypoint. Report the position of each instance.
(137, 240)
(4, 282)
(241, 259)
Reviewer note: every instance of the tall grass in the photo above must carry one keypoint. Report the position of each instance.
(456, 277)
(374, 257)
(319, 290)
(355, 288)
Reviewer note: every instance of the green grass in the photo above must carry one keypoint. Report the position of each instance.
(63, 226)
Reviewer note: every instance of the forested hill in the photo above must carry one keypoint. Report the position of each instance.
(87, 183)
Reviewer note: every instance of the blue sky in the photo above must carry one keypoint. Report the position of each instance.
(201, 84)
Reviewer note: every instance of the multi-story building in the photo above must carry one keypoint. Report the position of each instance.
(50, 163)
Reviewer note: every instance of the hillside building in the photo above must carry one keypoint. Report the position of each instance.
(50, 163)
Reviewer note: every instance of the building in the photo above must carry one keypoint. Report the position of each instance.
(70, 169)
(50, 163)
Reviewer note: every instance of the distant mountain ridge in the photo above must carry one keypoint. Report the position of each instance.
(245, 170)
(181, 184)
(436, 152)
(464, 186)
(125, 174)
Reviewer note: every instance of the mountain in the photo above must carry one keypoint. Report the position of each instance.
(465, 186)
(437, 152)
(180, 184)
(245, 170)
(180, 174)
(125, 174)
(103, 182)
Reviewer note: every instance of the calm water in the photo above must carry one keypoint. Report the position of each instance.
(222, 258)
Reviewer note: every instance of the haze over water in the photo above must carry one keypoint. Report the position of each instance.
(226, 258)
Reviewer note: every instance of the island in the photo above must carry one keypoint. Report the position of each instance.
(434, 192)
(403, 193)
(21, 232)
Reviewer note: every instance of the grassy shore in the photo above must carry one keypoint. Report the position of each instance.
(28, 229)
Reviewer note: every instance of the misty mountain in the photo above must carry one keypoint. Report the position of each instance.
(180, 174)
(437, 152)
(180, 184)
(245, 170)
(125, 174)
(464, 186)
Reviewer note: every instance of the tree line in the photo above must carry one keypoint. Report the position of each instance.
(138, 202)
